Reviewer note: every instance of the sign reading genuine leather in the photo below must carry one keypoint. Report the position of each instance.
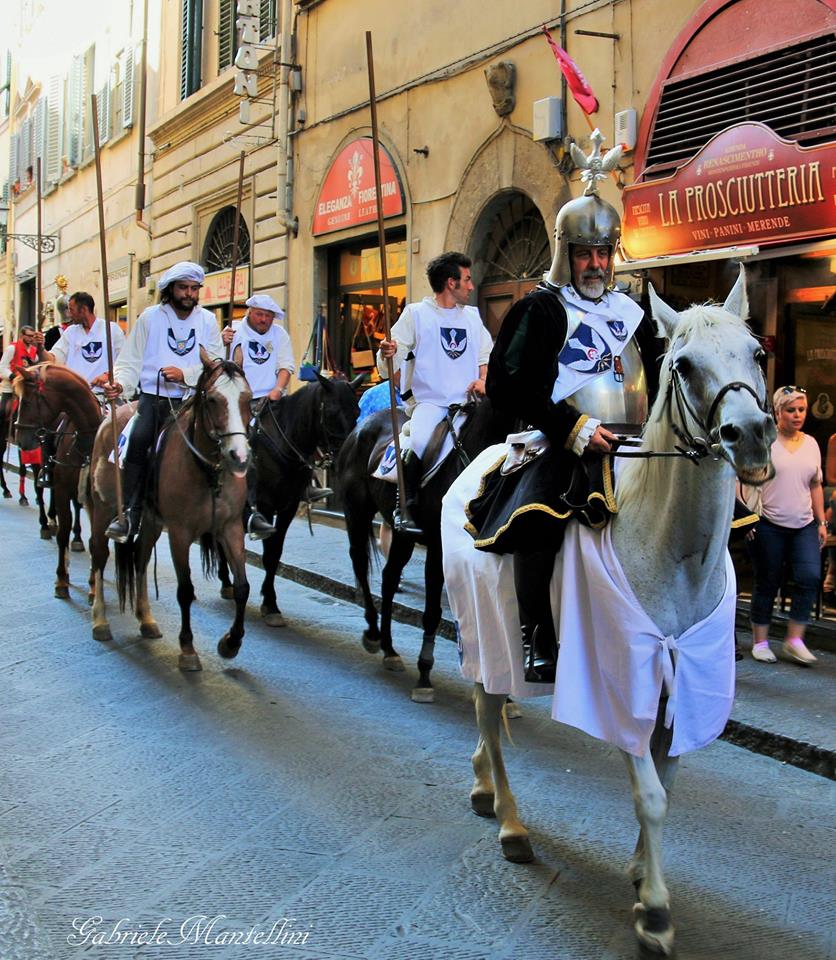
(348, 195)
(747, 185)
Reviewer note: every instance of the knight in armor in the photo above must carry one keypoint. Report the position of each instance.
(163, 358)
(441, 348)
(82, 347)
(566, 366)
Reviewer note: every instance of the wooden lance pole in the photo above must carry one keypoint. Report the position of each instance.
(39, 281)
(235, 233)
(401, 517)
(108, 339)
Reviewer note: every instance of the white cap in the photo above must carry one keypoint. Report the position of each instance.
(185, 270)
(261, 301)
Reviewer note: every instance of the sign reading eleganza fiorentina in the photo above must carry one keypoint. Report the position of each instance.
(348, 196)
(747, 185)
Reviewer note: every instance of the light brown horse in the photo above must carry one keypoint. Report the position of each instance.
(198, 492)
(53, 399)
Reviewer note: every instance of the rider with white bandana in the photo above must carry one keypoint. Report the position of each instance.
(163, 357)
(441, 347)
(82, 347)
(571, 338)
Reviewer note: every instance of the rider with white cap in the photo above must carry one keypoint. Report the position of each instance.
(162, 357)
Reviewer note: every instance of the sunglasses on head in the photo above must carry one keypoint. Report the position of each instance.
(793, 389)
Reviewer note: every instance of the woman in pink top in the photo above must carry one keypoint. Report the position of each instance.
(791, 529)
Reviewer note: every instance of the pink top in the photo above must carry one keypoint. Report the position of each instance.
(786, 498)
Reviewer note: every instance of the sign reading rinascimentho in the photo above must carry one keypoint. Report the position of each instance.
(747, 185)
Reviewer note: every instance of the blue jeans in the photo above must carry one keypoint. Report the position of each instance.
(772, 546)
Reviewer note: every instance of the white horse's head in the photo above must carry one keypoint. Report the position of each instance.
(224, 408)
(712, 384)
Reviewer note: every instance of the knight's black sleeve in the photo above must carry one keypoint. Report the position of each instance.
(523, 367)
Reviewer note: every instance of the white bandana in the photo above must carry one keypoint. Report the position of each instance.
(184, 270)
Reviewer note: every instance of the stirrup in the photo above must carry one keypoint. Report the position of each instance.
(44, 481)
(403, 523)
(314, 493)
(258, 528)
(538, 667)
(119, 528)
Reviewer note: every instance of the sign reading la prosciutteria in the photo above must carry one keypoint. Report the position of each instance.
(348, 196)
(747, 185)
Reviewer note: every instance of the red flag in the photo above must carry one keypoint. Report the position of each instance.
(581, 90)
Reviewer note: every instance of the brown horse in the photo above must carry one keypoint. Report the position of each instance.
(198, 492)
(53, 399)
(7, 420)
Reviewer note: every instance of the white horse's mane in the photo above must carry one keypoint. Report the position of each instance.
(647, 477)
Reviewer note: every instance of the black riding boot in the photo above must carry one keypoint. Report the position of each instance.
(127, 522)
(413, 470)
(258, 527)
(532, 580)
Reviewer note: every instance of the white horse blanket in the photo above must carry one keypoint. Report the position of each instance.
(614, 661)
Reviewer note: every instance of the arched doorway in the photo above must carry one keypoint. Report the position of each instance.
(512, 254)
(217, 249)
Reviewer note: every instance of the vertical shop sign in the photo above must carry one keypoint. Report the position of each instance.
(246, 59)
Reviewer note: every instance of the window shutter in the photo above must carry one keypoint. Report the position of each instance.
(55, 130)
(6, 85)
(191, 39)
(14, 170)
(41, 137)
(227, 34)
(76, 111)
(25, 150)
(267, 19)
(103, 111)
(128, 88)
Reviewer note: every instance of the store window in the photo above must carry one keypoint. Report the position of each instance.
(356, 302)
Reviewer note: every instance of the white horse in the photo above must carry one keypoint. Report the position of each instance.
(656, 587)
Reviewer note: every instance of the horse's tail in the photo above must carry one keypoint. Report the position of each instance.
(209, 555)
(125, 560)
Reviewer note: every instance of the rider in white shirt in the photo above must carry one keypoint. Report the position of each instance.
(163, 357)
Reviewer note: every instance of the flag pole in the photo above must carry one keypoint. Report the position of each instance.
(235, 233)
(401, 516)
(114, 430)
(40, 292)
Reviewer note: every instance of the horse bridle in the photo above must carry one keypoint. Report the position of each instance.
(694, 448)
(41, 432)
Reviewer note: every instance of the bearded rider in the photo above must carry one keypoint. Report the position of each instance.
(565, 364)
(163, 358)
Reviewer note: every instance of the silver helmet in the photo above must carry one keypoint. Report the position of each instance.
(588, 219)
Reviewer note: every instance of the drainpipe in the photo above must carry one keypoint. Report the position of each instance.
(139, 202)
(283, 164)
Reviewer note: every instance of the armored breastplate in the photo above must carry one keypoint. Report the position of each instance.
(620, 404)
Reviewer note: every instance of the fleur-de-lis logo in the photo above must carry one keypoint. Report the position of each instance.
(355, 173)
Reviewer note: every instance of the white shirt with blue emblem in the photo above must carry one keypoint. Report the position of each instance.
(263, 355)
(85, 351)
(159, 339)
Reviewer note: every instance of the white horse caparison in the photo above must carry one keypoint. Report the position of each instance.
(670, 535)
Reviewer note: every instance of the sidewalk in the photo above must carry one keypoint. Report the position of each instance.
(781, 710)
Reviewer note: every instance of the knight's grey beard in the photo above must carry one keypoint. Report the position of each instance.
(592, 287)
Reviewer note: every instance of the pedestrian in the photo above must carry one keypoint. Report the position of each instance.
(441, 348)
(82, 347)
(163, 356)
(565, 364)
(829, 586)
(791, 530)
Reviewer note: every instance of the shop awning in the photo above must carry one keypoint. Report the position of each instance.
(697, 256)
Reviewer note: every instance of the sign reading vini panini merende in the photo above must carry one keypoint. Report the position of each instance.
(747, 185)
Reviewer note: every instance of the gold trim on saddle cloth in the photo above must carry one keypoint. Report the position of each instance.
(570, 440)
(607, 498)
(749, 520)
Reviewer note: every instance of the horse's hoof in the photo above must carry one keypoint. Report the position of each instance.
(46, 533)
(422, 695)
(274, 619)
(517, 849)
(227, 649)
(7, 494)
(654, 929)
(395, 664)
(77, 546)
(189, 662)
(482, 804)
(23, 502)
(226, 592)
(62, 592)
(512, 711)
(102, 634)
(370, 644)
(150, 630)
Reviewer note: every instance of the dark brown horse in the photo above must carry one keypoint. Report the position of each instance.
(55, 400)
(288, 437)
(363, 496)
(198, 492)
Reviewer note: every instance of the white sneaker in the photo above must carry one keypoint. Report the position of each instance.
(762, 653)
(796, 651)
